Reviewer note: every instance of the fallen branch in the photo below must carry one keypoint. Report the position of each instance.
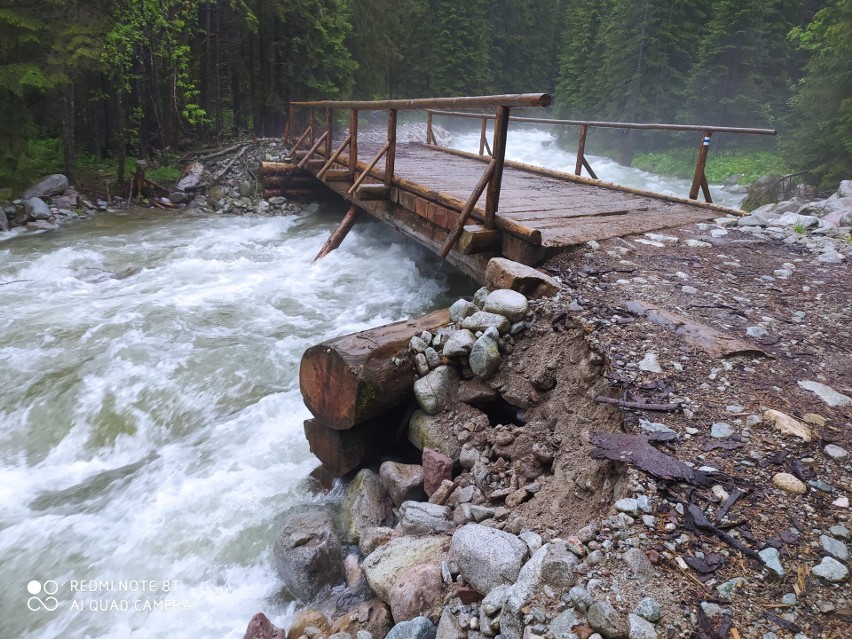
(729, 502)
(700, 522)
(157, 186)
(637, 450)
(216, 154)
(640, 405)
(229, 164)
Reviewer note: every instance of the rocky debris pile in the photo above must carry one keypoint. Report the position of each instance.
(46, 205)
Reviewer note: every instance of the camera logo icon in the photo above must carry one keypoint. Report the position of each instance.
(42, 595)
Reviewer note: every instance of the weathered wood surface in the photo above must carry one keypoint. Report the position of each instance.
(348, 380)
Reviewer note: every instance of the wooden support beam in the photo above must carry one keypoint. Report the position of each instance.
(269, 168)
(478, 239)
(329, 129)
(315, 165)
(301, 139)
(482, 136)
(486, 179)
(336, 176)
(312, 120)
(492, 197)
(369, 168)
(705, 189)
(312, 150)
(699, 166)
(589, 169)
(430, 137)
(581, 150)
(373, 192)
(339, 233)
(334, 157)
(391, 156)
(347, 380)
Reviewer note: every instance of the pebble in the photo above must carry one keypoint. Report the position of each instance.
(772, 560)
(627, 505)
(650, 363)
(698, 244)
(831, 570)
(644, 503)
(789, 599)
(834, 547)
(639, 628)
(606, 620)
(721, 430)
(789, 483)
(839, 531)
(756, 332)
(835, 452)
(581, 598)
(649, 609)
(649, 520)
(841, 502)
(727, 588)
(690, 290)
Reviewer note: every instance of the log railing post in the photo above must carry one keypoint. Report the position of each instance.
(353, 143)
(329, 129)
(699, 181)
(492, 195)
(429, 136)
(482, 137)
(286, 135)
(581, 150)
(311, 120)
(391, 155)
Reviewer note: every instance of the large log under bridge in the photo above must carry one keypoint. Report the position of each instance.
(470, 207)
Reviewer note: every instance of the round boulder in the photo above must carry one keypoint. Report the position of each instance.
(487, 557)
(508, 303)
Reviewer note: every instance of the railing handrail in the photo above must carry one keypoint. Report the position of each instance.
(465, 102)
(613, 125)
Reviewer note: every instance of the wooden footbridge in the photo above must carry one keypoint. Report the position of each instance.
(470, 207)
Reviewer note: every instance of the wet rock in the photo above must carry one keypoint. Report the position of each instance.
(834, 547)
(261, 628)
(487, 557)
(437, 468)
(421, 517)
(639, 628)
(772, 560)
(417, 592)
(384, 565)
(459, 343)
(403, 482)
(417, 628)
(308, 553)
(640, 566)
(460, 310)
(372, 617)
(508, 303)
(485, 356)
(649, 609)
(789, 483)
(786, 425)
(51, 185)
(826, 393)
(365, 505)
(36, 209)
(436, 391)
(831, 570)
(607, 621)
(481, 321)
(503, 273)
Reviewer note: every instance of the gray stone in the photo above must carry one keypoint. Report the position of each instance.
(649, 609)
(278, 200)
(794, 219)
(511, 620)
(178, 197)
(365, 505)
(826, 393)
(655, 427)
(789, 599)
(639, 564)
(192, 179)
(459, 343)
(721, 430)
(460, 310)
(308, 554)
(835, 452)
(433, 360)
(487, 557)
(627, 505)
(481, 320)
(244, 188)
(561, 627)
(650, 363)
(363, 634)
(403, 482)
(473, 391)
(51, 185)
(728, 588)
(340, 635)
(417, 345)
(839, 531)
(772, 560)
(834, 547)
(36, 209)
(480, 296)
(558, 566)
(830, 256)
(435, 391)
(508, 303)
(449, 628)
(755, 219)
(386, 563)
(504, 273)
(757, 332)
(417, 628)
(639, 628)
(581, 598)
(845, 189)
(532, 540)
(831, 570)
(484, 357)
(607, 621)
(421, 517)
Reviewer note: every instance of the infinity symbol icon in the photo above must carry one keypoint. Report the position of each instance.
(49, 588)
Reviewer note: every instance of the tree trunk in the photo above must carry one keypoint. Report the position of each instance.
(69, 142)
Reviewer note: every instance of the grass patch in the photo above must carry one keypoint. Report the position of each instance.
(681, 163)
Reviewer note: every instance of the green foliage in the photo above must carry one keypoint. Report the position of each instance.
(681, 163)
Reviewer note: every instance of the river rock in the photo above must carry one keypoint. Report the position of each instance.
(640, 566)
(261, 628)
(561, 627)
(487, 557)
(772, 560)
(789, 483)
(307, 618)
(834, 547)
(46, 187)
(459, 343)
(365, 505)
(831, 570)
(485, 356)
(437, 468)
(423, 518)
(403, 482)
(462, 309)
(503, 273)
(649, 609)
(417, 592)
(371, 616)
(639, 628)
(558, 566)
(786, 425)
(482, 320)
(178, 197)
(449, 628)
(308, 554)
(4, 221)
(417, 628)
(508, 303)
(383, 566)
(436, 391)
(36, 209)
(605, 619)
(826, 393)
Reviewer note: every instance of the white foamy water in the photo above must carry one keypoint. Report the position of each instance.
(150, 416)
(538, 146)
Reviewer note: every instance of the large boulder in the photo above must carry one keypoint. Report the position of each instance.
(403, 482)
(308, 554)
(386, 563)
(520, 593)
(36, 209)
(503, 273)
(192, 179)
(46, 187)
(436, 391)
(487, 557)
(417, 628)
(365, 505)
(422, 518)
(417, 592)
(482, 320)
(459, 343)
(508, 303)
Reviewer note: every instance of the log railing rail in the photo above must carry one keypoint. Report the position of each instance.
(489, 183)
(699, 180)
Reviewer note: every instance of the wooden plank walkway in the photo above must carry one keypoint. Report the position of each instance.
(566, 210)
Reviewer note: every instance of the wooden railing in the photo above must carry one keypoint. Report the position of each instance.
(489, 183)
(699, 180)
